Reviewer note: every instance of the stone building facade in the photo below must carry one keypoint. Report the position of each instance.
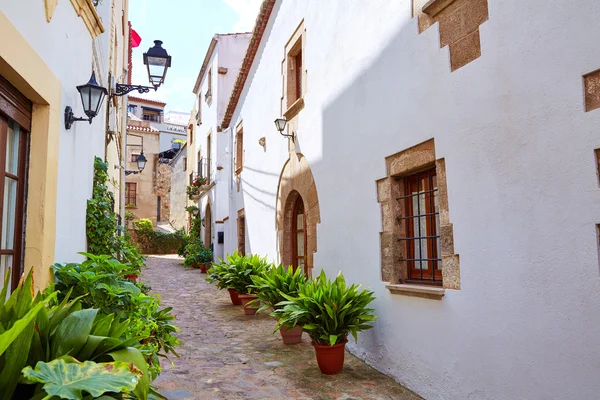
(444, 154)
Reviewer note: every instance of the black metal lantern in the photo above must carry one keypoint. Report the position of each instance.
(280, 124)
(141, 161)
(92, 96)
(157, 61)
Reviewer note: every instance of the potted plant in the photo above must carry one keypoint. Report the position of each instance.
(205, 258)
(239, 277)
(217, 274)
(271, 287)
(328, 311)
(193, 254)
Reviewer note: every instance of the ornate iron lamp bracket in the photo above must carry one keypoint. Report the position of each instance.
(121, 89)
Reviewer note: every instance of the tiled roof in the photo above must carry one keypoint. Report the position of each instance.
(259, 29)
(155, 102)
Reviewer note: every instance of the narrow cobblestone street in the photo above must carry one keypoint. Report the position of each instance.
(228, 355)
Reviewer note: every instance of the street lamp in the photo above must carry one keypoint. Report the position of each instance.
(92, 95)
(280, 124)
(157, 61)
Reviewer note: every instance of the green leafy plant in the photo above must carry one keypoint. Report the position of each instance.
(68, 380)
(236, 271)
(274, 283)
(104, 235)
(192, 191)
(143, 225)
(100, 283)
(41, 329)
(327, 310)
(196, 253)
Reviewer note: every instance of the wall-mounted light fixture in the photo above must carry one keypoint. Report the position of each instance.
(141, 158)
(157, 61)
(280, 124)
(92, 95)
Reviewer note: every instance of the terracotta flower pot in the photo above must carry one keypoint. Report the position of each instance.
(291, 335)
(204, 268)
(131, 277)
(246, 298)
(235, 299)
(330, 358)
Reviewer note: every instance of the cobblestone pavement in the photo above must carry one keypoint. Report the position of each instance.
(228, 355)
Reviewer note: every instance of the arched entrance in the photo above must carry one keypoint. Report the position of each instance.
(298, 235)
(208, 227)
(297, 214)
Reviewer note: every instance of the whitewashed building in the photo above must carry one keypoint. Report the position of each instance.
(47, 49)
(208, 146)
(446, 156)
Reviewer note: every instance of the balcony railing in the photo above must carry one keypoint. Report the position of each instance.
(200, 181)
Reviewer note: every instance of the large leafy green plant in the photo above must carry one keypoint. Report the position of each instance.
(100, 284)
(327, 310)
(39, 329)
(274, 283)
(238, 271)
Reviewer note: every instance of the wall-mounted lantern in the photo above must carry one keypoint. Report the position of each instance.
(92, 95)
(141, 159)
(157, 61)
(280, 124)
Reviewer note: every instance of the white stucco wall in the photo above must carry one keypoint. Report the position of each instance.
(522, 185)
(55, 43)
(228, 53)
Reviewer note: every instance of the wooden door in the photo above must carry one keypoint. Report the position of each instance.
(299, 236)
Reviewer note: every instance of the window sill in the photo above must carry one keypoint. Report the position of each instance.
(294, 109)
(429, 292)
(86, 10)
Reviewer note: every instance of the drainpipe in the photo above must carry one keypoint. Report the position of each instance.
(123, 161)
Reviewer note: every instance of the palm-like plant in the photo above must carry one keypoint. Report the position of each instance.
(241, 269)
(327, 310)
(276, 282)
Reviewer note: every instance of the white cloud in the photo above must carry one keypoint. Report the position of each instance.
(247, 10)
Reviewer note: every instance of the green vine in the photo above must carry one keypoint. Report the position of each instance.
(102, 229)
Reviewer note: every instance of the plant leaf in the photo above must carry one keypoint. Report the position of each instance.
(68, 380)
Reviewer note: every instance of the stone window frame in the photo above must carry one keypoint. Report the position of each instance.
(407, 162)
(292, 102)
(208, 95)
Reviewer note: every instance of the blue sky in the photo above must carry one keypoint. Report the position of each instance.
(186, 28)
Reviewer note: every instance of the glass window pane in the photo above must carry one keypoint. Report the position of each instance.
(10, 213)
(300, 221)
(12, 148)
(300, 243)
(5, 264)
(300, 262)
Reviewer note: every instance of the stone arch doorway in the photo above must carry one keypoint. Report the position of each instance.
(297, 214)
(208, 227)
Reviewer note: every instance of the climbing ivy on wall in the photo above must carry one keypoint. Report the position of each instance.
(102, 228)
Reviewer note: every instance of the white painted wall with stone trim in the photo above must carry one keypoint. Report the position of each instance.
(522, 185)
(66, 46)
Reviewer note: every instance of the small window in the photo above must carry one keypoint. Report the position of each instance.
(239, 151)
(185, 163)
(134, 157)
(131, 193)
(422, 223)
(208, 95)
(131, 109)
(294, 62)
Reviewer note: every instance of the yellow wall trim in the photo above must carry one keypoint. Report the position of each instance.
(25, 69)
(86, 10)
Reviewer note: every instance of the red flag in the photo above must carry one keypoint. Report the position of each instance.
(136, 40)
